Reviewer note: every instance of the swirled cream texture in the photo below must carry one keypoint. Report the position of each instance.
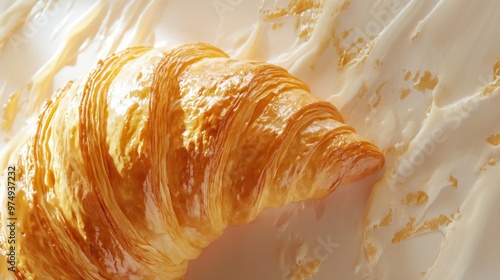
(419, 78)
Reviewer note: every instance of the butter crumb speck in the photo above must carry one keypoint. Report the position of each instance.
(426, 81)
(405, 232)
(494, 139)
(304, 270)
(429, 225)
(496, 69)
(306, 14)
(387, 220)
(415, 36)
(453, 181)
(379, 96)
(416, 76)
(276, 25)
(434, 224)
(407, 76)
(346, 33)
(418, 198)
(370, 253)
(404, 93)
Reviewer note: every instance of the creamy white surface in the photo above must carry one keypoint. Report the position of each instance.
(428, 135)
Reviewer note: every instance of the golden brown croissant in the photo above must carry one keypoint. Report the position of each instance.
(134, 169)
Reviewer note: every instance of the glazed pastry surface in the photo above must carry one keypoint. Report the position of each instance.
(131, 171)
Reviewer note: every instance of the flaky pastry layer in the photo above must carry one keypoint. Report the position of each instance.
(132, 170)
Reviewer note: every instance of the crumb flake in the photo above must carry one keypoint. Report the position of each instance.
(494, 139)
(426, 81)
(453, 181)
(417, 198)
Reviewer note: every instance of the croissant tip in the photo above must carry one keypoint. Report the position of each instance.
(364, 167)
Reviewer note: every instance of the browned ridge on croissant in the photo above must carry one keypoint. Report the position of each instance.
(132, 170)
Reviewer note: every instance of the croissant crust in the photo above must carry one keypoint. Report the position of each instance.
(132, 170)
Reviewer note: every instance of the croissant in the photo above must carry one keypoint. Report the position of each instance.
(131, 171)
